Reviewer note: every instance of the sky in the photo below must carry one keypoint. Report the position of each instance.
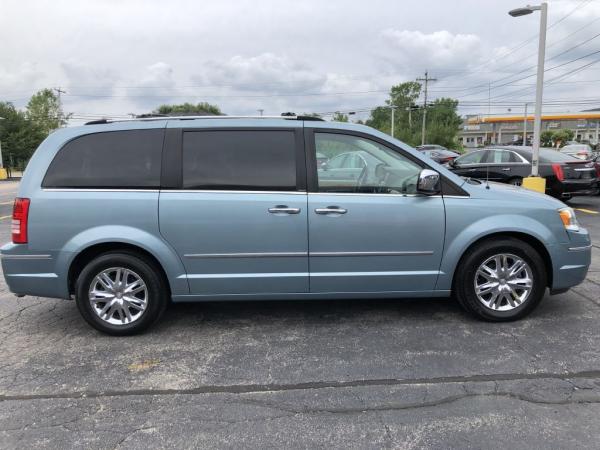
(114, 58)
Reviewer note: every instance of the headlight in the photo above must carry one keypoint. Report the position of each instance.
(567, 215)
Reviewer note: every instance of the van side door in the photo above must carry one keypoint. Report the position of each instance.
(236, 209)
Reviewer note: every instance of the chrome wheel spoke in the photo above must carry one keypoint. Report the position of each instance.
(118, 296)
(503, 282)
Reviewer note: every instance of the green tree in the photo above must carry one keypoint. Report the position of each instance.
(442, 118)
(407, 118)
(546, 138)
(443, 122)
(19, 136)
(562, 136)
(45, 110)
(339, 117)
(200, 109)
(556, 138)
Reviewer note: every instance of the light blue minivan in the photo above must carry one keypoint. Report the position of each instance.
(128, 216)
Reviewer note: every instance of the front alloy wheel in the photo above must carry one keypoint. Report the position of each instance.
(500, 279)
(503, 282)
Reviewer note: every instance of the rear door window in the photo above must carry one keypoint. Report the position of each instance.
(472, 158)
(259, 160)
(116, 159)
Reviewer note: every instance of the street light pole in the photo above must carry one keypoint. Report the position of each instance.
(535, 182)
(539, 89)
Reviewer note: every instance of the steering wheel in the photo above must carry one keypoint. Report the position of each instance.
(362, 178)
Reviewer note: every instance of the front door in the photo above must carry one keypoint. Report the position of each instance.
(239, 219)
(372, 233)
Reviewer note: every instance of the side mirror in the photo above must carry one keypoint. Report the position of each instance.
(452, 163)
(324, 166)
(429, 182)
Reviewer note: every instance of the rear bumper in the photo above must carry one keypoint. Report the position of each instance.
(32, 273)
(577, 187)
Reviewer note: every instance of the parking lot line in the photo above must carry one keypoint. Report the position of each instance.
(7, 203)
(589, 211)
(5, 217)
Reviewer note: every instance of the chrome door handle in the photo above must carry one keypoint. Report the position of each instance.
(506, 168)
(283, 209)
(471, 170)
(331, 210)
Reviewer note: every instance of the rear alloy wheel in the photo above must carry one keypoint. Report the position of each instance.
(516, 181)
(500, 279)
(120, 293)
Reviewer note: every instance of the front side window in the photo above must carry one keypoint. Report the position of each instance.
(367, 166)
(116, 159)
(260, 160)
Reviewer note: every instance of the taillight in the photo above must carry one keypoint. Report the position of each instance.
(19, 220)
(558, 171)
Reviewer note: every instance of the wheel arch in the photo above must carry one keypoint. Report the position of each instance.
(89, 253)
(535, 242)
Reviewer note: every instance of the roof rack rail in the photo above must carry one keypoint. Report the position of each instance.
(151, 117)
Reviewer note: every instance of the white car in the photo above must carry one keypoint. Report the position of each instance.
(581, 151)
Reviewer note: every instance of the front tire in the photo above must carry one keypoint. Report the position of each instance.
(500, 280)
(121, 293)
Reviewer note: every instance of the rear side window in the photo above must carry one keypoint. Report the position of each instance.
(259, 160)
(115, 159)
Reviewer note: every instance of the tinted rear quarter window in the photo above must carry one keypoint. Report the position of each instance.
(114, 159)
(240, 160)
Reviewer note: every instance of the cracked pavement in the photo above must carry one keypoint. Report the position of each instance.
(335, 374)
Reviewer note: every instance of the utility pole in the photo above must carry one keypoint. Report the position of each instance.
(393, 109)
(58, 92)
(426, 80)
(525, 127)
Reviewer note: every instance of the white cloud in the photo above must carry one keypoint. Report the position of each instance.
(433, 50)
(261, 73)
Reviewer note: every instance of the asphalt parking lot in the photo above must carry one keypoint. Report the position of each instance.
(342, 374)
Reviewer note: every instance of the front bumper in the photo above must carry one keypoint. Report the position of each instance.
(571, 261)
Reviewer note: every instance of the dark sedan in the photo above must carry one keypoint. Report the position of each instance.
(565, 175)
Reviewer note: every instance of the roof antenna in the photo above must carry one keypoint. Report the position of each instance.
(487, 176)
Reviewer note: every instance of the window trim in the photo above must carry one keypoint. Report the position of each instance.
(448, 186)
(107, 188)
(172, 175)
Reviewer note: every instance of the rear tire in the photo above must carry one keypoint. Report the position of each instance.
(516, 181)
(492, 280)
(121, 293)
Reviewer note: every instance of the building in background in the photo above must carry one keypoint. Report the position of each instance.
(480, 130)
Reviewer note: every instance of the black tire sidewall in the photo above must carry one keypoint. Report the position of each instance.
(464, 284)
(157, 296)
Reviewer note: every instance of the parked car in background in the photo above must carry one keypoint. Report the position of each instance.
(596, 160)
(321, 159)
(126, 217)
(440, 156)
(579, 151)
(565, 175)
